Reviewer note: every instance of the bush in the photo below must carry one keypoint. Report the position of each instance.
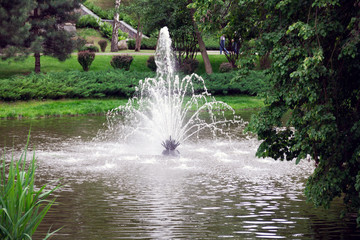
(88, 21)
(121, 62)
(106, 31)
(80, 43)
(149, 44)
(90, 48)
(23, 206)
(71, 84)
(105, 14)
(85, 58)
(225, 67)
(150, 63)
(103, 43)
(211, 42)
(189, 65)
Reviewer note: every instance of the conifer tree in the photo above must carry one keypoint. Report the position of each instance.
(38, 28)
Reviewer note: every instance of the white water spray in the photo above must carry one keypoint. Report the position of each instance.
(170, 110)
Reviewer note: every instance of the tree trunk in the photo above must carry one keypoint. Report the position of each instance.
(202, 46)
(37, 62)
(138, 37)
(37, 54)
(115, 33)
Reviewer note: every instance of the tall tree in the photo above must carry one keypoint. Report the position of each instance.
(137, 9)
(229, 18)
(14, 28)
(41, 23)
(116, 24)
(315, 52)
(202, 47)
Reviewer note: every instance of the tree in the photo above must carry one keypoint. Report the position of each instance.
(137, 10)
(41, 23)
(14, 28)
(315, 52)
(182, 26)
(227, 17)
(115, 33)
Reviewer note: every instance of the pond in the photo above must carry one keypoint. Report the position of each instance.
(215, 189)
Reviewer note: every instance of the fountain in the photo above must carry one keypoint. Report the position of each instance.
(117, 185)
(169, 109)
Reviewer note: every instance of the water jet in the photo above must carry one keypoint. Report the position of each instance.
(171, 105)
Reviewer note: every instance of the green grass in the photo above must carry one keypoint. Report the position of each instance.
(101, 62)
(48, 108)
(104, 4)
(242, 102)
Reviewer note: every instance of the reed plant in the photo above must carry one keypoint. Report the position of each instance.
(22, 205)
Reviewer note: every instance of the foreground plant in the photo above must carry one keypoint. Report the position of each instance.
(22, 205)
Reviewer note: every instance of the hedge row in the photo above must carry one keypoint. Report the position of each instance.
(114, 83)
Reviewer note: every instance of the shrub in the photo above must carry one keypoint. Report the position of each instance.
(85, 58)
(103, 43)
(90, 48)
(106, 31)
(88, 21)
(80, 43)
(145, 43)
(189, 65)
(225, 67)
(150, 63)
(105, 14)
(23, 206)
(121, 62)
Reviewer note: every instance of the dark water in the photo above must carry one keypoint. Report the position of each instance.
(216, 189)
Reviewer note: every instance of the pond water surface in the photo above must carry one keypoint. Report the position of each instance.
(216, 189)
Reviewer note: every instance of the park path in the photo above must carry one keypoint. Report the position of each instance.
(210, 52)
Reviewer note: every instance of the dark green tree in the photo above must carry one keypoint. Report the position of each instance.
(232, 18)
(41, 28)
(178, 17)
(14, 28)
(313, 107)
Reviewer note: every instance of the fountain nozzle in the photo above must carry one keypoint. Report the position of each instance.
(170, 145)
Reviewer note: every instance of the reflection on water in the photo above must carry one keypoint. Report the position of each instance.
(216, 189)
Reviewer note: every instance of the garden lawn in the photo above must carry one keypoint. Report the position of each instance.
(101, 62)
(51, 108)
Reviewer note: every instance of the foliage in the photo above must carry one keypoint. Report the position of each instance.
(22, 205)
(90, 48)
(114, 83)
(145, 43)
(225, 67)
(85, 58)
(42, 31)
(106, 31)
(105, 14)
(189, 66)
(103, 44)
(229, 18)
(150, 63)
(137, 10)
(14, 28)
(315, 56)
(121, 62)
(71, 84)
(88, 21)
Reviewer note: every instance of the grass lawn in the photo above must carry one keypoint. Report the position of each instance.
(104, 4)
(68, 107)
(35, 109)
(101, 62)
